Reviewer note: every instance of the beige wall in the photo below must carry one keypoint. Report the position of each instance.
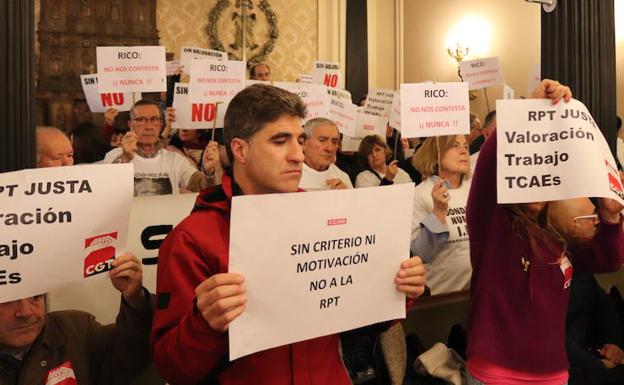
(515, 40)
(182, 23)
(382, 57)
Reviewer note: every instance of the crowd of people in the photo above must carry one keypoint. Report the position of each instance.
(513, 258)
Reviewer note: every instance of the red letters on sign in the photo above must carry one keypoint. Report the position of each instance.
(203, 112)
(110, 100)
(330, 80)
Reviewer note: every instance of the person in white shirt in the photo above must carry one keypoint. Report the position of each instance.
(439, 230)
(373, 155)
(319, 148)
(158, 171)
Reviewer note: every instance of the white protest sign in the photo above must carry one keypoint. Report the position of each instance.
(322, 269)
(61, 224)
(189, 115)
(379, 102)
(429, 109)
(314, 96)
(305, 78)
(148, 228)
(99, 102)
(481, 73)
(534, 78)
(365, 125)
(173, 67)
(327, 74)
(395, 112)
(189, 53)
(342, 111)
(213, 84)
(132, 69)
(548, 153)
(508, 92)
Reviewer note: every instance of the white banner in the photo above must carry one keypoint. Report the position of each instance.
(429, 109)
(99, 102)
(194, 115)
(365, 125)
(327, 74)
(148, 228)
(213, 84)
(61, 224)
(481, 73)
(342, 111)
(132, 69)
(322, 269)
(548, 153)
(314, 96)
(189, 53)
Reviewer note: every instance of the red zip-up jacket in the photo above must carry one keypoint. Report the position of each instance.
(517, 315)
(186, 350)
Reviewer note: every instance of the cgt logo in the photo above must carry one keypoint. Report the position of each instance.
(615, 184)
(61, 375)
(336, 221)
(101, 253)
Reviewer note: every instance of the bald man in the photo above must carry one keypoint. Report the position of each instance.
(53, 148)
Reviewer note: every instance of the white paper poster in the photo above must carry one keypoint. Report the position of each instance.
(508, 92)
(327, 74)
(379, 102)
(189, 53)
(548, 153)
(342, 111)
(395, 112)
(434, 109)
(213, 84)
(173, 67)
(132, 69)
(148, 228)
(481, 73)
(322, 269)
(314, 96)
(305, 78)
(365, 125)
(61, 224)
(99, 102)
(194, 115)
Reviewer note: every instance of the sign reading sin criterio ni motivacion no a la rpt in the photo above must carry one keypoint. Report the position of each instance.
(548, 153)
(61, 224)
(321, 269)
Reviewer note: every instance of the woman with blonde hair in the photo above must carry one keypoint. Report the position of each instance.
(373, 155)
(522, 274)
(439, 232)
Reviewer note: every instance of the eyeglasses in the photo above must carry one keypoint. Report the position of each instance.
(144, 120)
(592, 217)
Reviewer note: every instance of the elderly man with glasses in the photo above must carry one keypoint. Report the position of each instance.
(158, 171)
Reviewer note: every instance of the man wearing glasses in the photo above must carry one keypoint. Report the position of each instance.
(158, 171)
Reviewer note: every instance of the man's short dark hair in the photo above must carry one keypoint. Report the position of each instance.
(489, 118)
(252, 69)
(256, 106)
(145, 102)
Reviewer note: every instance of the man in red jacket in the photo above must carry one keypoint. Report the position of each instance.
(198, 298)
